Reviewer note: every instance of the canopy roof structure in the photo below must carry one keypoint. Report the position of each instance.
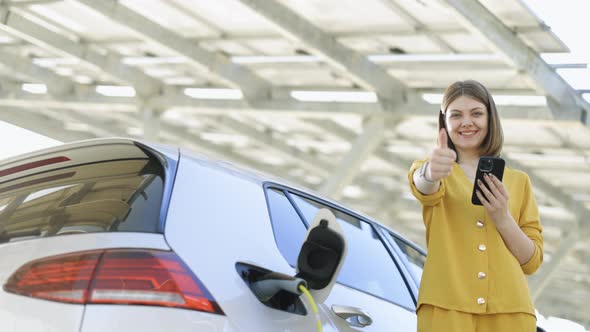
(336, 95)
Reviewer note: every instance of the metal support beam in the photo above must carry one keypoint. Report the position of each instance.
(280, 147)
(566, 110)
(70, 96)
(354, 65)
(216, 66)
(548, 270)
(180, 136)
(86, 99)
(581, 230)
(318, 109)
(17, 24)
(51, 124)
(93, 127)
(561, 196)
(24, 3)
(374, 32)
(11, 95)
(60, 87)
(481, 21)
(417, 25)
(42, 124)
(55, 84)
(400, 164)
(361, 149)
(175, 98)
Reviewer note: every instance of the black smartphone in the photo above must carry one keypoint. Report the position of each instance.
(487, 165)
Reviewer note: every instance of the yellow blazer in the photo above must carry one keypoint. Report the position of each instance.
(468, 267)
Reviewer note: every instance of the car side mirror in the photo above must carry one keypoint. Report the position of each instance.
(322, 255)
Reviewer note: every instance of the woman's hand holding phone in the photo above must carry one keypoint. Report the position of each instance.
(441, 159)
(495, 199)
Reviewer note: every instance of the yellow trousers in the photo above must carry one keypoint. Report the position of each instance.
(431, 318)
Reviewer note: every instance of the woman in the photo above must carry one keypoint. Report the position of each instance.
(474, 276)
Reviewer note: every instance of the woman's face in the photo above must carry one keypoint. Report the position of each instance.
(467, 123)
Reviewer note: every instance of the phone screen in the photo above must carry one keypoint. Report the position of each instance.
(487, 165)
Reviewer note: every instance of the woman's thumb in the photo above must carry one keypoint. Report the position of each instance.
(442, 138)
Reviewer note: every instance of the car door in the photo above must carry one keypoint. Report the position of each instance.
(412, 256)
(371, 288)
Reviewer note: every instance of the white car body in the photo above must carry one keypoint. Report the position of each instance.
(213, 217)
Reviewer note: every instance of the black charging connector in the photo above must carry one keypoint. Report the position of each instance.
(272, 283)
(276, 290)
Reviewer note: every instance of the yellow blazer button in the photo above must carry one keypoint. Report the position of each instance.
(479, 224)
(481, 275)
(481, 300)
(482, 247)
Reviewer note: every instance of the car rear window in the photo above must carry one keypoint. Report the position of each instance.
(122, 195)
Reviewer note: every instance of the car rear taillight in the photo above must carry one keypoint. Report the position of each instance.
(121, 276)
(34, 164)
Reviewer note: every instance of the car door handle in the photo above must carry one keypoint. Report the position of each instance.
(354, 316)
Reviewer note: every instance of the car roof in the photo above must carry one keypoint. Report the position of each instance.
(81, 144)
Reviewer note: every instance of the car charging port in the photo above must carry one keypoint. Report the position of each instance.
(276, 290)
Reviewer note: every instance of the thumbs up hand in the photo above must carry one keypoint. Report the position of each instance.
(441, 159)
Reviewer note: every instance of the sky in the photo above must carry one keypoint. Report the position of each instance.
(568, 19)
(16, 140)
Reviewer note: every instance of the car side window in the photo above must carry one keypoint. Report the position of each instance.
(415, 258)
(288, 228)
(368, 266)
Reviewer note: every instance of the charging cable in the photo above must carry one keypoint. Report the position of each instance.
(314, 307)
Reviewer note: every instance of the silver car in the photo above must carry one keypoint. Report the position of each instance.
(120, 235)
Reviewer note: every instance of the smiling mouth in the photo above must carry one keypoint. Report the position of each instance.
(468, 133)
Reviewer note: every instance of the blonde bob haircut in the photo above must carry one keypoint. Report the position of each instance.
(494, 140)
